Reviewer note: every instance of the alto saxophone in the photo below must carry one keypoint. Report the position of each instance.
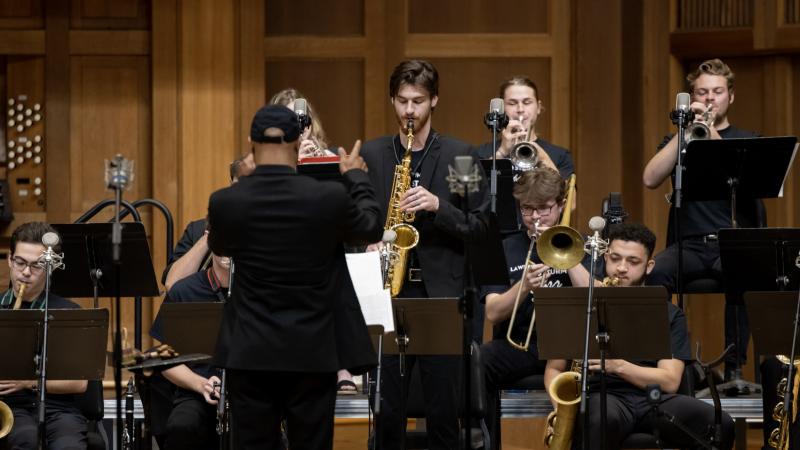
(779, 438)
(565, 390)
(399, 222)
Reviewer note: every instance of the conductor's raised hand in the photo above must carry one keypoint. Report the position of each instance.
(353, 160)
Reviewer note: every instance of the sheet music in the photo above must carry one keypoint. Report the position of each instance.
(375, 301)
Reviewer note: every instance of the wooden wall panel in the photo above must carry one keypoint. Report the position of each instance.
(340, 109)
(21, 14)
(467, 84)
(110, 14)
(339, 18)
(478, 16)
(110, 114)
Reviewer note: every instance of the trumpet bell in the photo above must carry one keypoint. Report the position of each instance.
(6, 420)
(524, 156)
(560, 247)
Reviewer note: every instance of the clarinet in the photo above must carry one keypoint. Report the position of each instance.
(128, 424)
(223, 405)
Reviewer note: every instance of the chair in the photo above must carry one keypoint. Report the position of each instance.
(415, 405)
(647, 440)
(90, 403)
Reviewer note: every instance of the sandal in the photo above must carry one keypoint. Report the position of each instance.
(346, 387)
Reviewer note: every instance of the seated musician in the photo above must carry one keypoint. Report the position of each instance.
(66, 426)
(192, 420)
(630, 259)
(542, 197)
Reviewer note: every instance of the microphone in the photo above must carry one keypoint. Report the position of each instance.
(301, 109)
(389, 236)
(596, 245)
(496, 117)
(465, 177)
(119, 173)
(682, 113)
(51, 259)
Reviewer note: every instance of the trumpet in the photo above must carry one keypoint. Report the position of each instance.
(524, 154)
(560, 247)
(701, 130)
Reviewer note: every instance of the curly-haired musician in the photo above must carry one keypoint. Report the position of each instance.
(629, 259)
(436, 264)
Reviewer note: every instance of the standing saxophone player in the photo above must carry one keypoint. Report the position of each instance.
(630, 259)
(435, 265)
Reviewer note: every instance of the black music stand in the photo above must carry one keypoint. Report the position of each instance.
(90, 271)
(722, 169)
(191, 327)
(424, 326)
(506, 208)
(69, 329)
(323, 171)
(630, 323)
(756, 260)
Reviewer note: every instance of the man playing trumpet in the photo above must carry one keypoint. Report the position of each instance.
(542, 196)
(629, 260)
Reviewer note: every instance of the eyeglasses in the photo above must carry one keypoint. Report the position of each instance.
(20, 264)
(542, 211)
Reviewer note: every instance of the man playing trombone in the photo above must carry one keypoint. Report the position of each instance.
(542, 196)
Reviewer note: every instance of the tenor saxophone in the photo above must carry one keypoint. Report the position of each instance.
(400, 221)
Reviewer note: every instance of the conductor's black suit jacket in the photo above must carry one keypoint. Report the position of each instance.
(292, 306)
(441, 234)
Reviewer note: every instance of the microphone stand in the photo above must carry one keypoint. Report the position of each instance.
(41, 360)
(118, 176)
(595, 247)
(679, 118)
(495, 121)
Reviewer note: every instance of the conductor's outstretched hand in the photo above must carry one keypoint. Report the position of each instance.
(352, 160)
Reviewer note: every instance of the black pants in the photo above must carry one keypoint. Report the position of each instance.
(260, 399)
(633, 414)
(701, 260)
(66, 429)
(192, 423)
(440, 377)
(502, 365)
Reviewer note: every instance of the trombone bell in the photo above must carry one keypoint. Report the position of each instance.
(560, 247)
(6, 420)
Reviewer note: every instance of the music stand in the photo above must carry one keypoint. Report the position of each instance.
(507, 211)
(191, 327)
(629, 323)
(721, 169)
(424, 326)
(323, 171)
(756, 260)
(70, 329)
(91, 271)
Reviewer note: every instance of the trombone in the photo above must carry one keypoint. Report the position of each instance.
(559, 247)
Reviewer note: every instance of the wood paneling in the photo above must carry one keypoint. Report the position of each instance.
(693, 14)
(91, 42)
(23, 42)
(467, 84)
(251, 95)
(110, 114)
(478, 45)
(289, 47)
(206, 102)
(110, 14)
(21, 14)
(478, 16)
(310, 17)
(57, 105)
(340, 110)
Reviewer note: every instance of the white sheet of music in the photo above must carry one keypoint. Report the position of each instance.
(375, 301)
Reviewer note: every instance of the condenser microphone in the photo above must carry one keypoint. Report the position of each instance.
(496, 117)
(682, 114)
(50, 239)
(682, 101)
(389, 236)
(301, 109)
(50, 258)
(596, 224)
